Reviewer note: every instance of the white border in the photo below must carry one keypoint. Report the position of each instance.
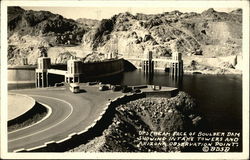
(148, 4)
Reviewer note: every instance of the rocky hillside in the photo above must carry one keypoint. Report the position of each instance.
(208, 34)
(44, 23)
(88, 23)
(30, 31)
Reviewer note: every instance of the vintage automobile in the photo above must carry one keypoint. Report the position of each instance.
(74, 87)
(103, 87)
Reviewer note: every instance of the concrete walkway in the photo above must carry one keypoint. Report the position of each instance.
(18, 105)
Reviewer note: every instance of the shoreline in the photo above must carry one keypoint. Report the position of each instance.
(189, 72)
(194, 72)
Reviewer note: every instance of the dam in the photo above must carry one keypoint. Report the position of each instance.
(77, 71)
(27, 76)
(148, 64)
(46, 74)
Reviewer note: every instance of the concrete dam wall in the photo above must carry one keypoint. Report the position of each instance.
(102, 69)
(24, 76)
(21, 77)
(159, 65)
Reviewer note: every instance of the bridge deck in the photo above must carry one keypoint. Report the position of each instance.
(57, 71)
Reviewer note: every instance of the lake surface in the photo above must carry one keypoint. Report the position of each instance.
(219, 97)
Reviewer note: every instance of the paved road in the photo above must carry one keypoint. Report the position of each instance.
(70, 113)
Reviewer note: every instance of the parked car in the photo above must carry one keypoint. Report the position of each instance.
(116, 88)
(126, 89)
(92, 83)
(103, 88)
(136, 91)
(59, 84)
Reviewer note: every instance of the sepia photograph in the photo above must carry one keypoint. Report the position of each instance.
(112, 79)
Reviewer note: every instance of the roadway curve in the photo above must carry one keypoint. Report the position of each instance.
(70, 113)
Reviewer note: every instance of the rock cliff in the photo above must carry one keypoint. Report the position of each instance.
(207, 34)
(210, 33)
(29, 31)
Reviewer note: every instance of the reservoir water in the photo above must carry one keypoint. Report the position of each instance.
(218, 97)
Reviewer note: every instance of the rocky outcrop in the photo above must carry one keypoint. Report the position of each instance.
(29, 30)
(27, 46)
(209, 34)
(34, 23)
(88, 23)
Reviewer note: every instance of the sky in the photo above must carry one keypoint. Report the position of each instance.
(107, 12)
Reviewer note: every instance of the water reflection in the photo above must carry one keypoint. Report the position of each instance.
(219, 97)
(176, 81)
(148, 77)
